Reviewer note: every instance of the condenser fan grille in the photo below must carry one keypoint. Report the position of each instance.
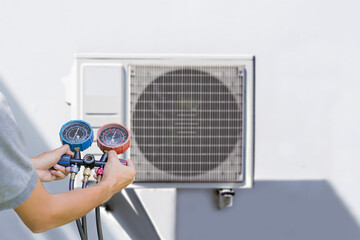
(187, 123)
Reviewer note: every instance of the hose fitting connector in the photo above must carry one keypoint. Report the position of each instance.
(87, 173)
(74, 169)
(99, 177)
(100, 171)
(72, 176)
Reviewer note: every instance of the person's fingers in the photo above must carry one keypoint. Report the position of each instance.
(60, 168)
(64, 149)
(53, 177)
(58, 174)
(130, 163)
(112, 154)
(68, 151)
(113, 158)
(68, 169)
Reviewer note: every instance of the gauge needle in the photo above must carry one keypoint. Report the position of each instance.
(76, 133)
(112, 139)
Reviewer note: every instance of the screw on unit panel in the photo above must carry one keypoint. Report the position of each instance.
(241, 71)
(132, 72)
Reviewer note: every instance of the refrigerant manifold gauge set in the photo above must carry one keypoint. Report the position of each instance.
(79, 135)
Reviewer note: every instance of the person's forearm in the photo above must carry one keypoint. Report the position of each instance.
(69, 206)
(43, 211)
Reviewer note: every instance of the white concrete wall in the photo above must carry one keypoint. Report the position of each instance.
(307, 117)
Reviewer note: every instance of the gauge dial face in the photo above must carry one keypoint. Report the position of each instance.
(76, 132)
(113, 137)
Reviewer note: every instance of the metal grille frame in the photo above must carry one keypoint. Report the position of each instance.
(231, 169)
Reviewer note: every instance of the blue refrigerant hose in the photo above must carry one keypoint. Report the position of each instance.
(78, 222)
(84, 225)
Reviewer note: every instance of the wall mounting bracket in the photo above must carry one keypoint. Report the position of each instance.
(225, 197)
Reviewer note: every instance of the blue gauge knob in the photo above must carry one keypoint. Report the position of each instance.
(77, 134)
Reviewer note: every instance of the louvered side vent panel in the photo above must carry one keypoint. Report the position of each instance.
(187, 123)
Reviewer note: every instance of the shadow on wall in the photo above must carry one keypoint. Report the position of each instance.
(11, 226)
(133, 217)
(279, 210)
(34, 143)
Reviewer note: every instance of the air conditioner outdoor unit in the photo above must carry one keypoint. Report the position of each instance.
(191, 117)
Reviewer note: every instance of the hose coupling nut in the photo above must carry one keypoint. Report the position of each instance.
(100, 171)
(87, 172)
(73, 175)
(74, 169)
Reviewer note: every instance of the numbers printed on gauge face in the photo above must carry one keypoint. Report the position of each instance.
(76, 132)
(113, 136)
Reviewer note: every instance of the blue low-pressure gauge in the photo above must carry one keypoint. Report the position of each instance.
(77, 134)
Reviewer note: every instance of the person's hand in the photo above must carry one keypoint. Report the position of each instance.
(46, 164)
(116, 175)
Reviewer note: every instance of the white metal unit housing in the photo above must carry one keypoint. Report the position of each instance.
(191, 117)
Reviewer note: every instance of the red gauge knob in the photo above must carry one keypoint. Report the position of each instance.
(113, 136)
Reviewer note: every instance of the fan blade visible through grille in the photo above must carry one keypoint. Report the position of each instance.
(187, 123)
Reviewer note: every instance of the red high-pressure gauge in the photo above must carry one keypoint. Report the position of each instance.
(113, 136)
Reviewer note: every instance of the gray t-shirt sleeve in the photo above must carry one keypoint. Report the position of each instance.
(17, 174)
